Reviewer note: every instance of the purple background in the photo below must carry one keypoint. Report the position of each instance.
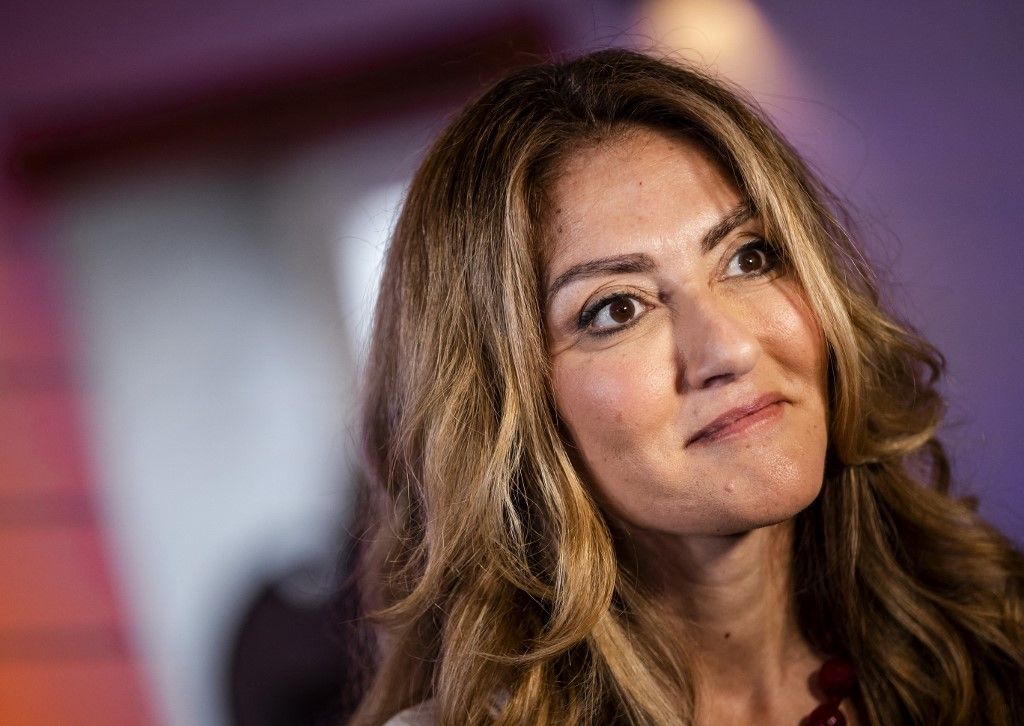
(934, 92)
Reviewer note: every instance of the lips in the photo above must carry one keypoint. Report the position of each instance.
(738, 419)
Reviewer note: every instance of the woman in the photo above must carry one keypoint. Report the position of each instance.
(643, 447)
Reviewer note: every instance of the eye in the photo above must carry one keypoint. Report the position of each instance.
(755, 258)
(611, 313)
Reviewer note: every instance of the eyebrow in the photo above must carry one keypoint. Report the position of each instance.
(742, 213)
(619, 264)
(638, 262)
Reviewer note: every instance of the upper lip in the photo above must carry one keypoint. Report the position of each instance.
(735, 414)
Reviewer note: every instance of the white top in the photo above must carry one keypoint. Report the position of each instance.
(423, 714)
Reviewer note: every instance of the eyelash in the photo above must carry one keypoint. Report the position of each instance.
(591, 311)
(772, 256)
(773, 260)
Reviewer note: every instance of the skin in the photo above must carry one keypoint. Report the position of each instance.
(694, 333)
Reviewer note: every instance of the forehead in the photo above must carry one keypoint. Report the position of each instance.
(641, 187)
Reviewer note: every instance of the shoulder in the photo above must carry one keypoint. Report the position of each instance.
(422, 714)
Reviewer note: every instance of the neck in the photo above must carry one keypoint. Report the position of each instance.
(730, 597)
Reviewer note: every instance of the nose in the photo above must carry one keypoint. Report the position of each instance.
(715, 345)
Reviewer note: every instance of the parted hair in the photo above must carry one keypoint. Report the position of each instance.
(490, 574)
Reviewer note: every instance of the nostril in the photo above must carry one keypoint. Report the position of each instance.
(720, 379)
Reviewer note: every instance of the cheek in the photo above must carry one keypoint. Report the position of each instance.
(797, 344)
(607, 401)
(796, 337)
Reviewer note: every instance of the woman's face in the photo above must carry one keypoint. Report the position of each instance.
(686, 365)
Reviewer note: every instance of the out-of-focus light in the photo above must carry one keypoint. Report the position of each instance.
(735, 41)
(728, 37)
(364, 231)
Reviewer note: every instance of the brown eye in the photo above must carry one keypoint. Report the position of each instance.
(622, 310)
(612, 313)
(751, 261)
(754, 259)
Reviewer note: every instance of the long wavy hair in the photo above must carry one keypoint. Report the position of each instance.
(492, 576)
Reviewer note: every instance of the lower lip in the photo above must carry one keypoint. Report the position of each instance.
(758, 418)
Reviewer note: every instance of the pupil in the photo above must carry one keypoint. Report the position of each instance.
(750, 261)
(621, 311)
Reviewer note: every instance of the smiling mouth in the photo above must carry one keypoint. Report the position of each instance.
(739, 420)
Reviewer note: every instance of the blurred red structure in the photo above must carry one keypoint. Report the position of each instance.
(64, 654)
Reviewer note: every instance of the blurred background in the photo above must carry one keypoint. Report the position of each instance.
(194, 199)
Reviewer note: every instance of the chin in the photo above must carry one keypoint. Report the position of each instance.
(756, 491)
(739, 512)
(722, 521)
(782, 508)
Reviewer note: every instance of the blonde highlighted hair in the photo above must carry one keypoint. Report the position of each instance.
(492, 577)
